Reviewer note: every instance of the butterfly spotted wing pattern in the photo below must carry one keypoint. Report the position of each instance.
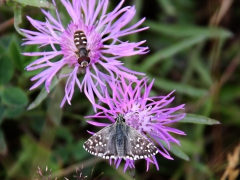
(99, 144)
(140, 147)
(120, 141)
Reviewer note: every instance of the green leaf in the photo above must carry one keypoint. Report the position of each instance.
(14, 111)
(15, 53)
(30, 152)
(188, 30)
(3, 145)
(63, 153)
(204, 72)
(5, 41)
(168, 7)
(14, 96)
(43, 94)
(2, 48)
(18, 18)
(151, 60)
(197, 119)
(6, 69)
(175, 150)
(36, 3)
(189, 146)
(27, 59)
(192, 35)
(179, 153)
(10, 3)
(54, 111)
(2, 109)
(179, 87)
(65, 134)
(78, 152)
(203, 169)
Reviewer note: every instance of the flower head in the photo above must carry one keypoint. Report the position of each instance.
(89, 45)
(148, 115)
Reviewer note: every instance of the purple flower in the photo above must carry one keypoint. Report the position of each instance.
(148, 115)
(99, 43)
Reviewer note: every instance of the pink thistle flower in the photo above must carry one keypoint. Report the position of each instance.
(87, 52)
(148, 115)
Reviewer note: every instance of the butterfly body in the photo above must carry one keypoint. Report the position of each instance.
(119, 140)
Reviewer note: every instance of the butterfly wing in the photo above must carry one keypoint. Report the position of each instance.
(102, 143)
(137, 146)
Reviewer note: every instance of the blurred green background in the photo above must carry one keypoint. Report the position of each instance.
(194, 49)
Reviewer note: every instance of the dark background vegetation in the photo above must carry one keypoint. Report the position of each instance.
(194, 49)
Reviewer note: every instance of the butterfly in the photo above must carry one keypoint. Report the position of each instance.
(119, 140)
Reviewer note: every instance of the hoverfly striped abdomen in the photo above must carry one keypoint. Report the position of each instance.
(80, 42)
